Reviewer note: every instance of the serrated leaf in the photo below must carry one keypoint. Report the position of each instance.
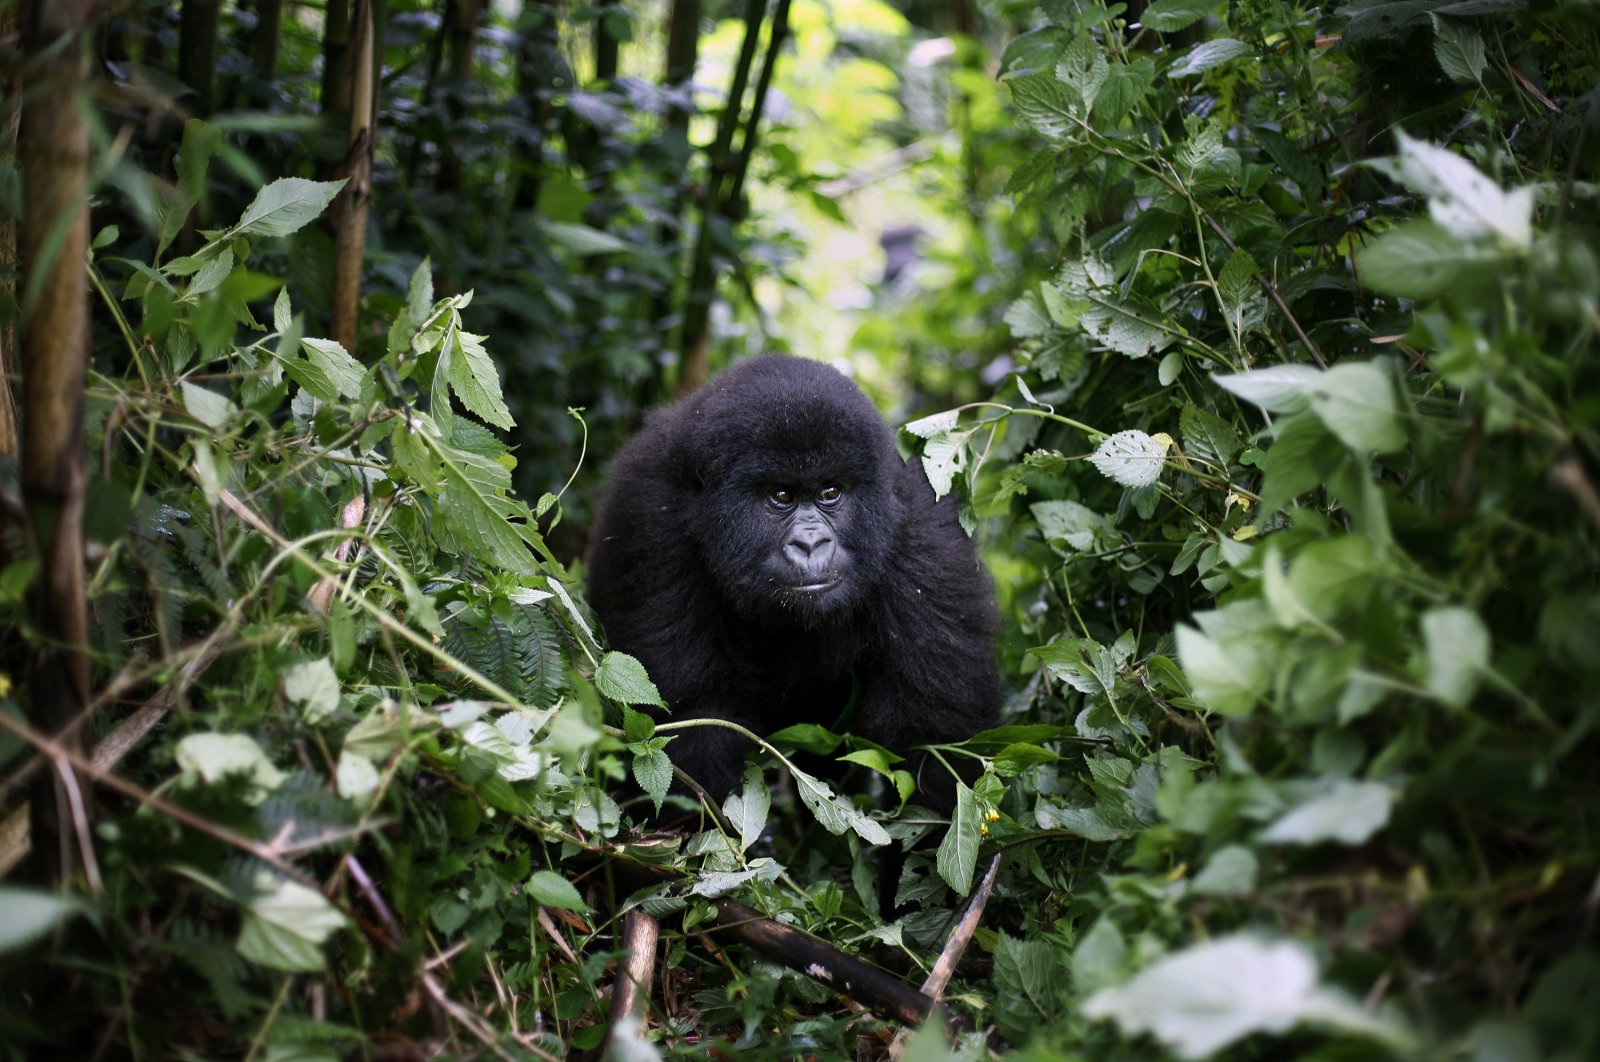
(1170, 16)
(1459, 49)
(653, 771)
(476, 381)
(282, 317)
(834, 814)
(944, 457)
(285, 206)
(957, 858)
(1053, 108)
(1083, 67)
(1209, 54)
(1209, 436)
(476, 510)
(746, 810)
(1131, 458)
(552, 890)
(1027, 318)
(333, 361)
(210, 276)
(215, 756)
(622, 678)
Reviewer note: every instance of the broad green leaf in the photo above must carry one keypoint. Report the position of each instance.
(582, 239)
(1229, 658)
(622, 678)
(28, 914)
(1199, 1001)
(1073, 523)
(806, 737)
(746, 810)
(1240, 295)
(342, 370)
(1208, 436)
(412, 455)
(206, 406)
(1278, 388)
(285, 206)
(1169, 16)
(1131, 458)
(1459, 49)
(1100, 958)
(1356, 400)
(944, 457)
(653, 771)
(285, 924)
(1335, 575)
(1083, 67)
(476, 381)
(476, 510)
(1295, 163)
(1207, 55)
(552, 890)
(313, 685)
(834, 814)
(1349, 813)
(1127, 325)
(1461, 199)
(356, 777)
(1053, 108)
(215, 756)
(937, 424)
(1231, 871)
(419, 303)
(958, 853)
(211, 275)
(1027, 319)
(1420, 260)
(1456, 644)
(1125, 87)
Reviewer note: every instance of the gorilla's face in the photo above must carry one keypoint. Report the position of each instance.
(797, 537)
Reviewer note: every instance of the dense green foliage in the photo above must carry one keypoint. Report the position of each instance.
(1267, 337)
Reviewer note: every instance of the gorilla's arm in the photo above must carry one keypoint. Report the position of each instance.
(933, 680)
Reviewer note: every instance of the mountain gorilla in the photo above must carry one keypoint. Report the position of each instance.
(762, 549)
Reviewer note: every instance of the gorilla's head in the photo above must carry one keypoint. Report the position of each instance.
(793, 472)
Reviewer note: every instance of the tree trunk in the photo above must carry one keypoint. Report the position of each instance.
(542, 71)
(55, 334)
(359, 93)
(605, 50)
(695, 338)
(197, 51)
(462, 17)
(264, 42)
(10, 118)
(335, 43)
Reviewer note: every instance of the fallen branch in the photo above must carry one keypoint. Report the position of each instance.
(817, 959)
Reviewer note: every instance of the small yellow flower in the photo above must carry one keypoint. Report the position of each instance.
(5, 684)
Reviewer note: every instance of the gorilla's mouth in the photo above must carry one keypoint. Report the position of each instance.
(812, 588)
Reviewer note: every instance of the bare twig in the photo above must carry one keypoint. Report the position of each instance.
(939, 978)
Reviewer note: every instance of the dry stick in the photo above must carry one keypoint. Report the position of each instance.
(630, 996)
(817, 959)
(945, 968)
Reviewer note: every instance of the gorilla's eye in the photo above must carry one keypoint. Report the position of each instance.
(782, 496)
(829, 495)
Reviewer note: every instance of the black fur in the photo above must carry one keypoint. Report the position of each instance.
(694, 570)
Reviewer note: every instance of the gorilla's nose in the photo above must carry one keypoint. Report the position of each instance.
(810, 549)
